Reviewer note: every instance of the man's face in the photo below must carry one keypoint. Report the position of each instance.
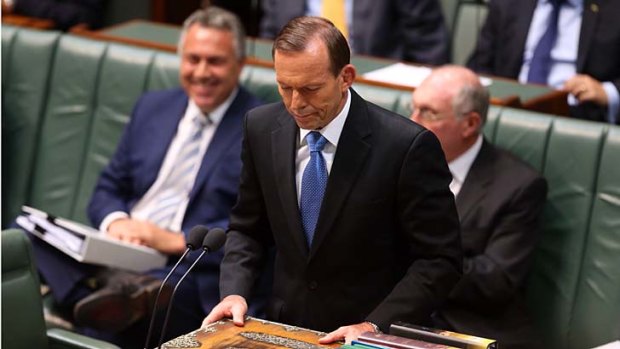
(309, 90)
(209, 66)
(433, 109)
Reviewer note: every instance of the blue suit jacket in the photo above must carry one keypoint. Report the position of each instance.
(139, 156)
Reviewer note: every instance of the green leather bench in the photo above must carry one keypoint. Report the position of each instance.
(66, 99)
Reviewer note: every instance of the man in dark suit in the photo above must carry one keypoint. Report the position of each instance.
(189, 136)
(365, 230)
(587, 68)
(410, 30)
(499, 199)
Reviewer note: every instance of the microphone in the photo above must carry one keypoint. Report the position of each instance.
(212, 242)
(196, 236)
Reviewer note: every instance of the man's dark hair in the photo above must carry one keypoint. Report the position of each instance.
(299, 32)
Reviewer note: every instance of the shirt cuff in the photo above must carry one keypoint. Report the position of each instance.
(613, 101)
(111, 217)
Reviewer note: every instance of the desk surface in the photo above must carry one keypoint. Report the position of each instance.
(502, 91)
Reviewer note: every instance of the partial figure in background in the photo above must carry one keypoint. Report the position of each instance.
(65, 14)
(568, 44)
(177, 166)
(409, 30)
(499, 199)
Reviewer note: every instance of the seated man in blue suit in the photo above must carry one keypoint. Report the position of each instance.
(177, 166)
(499, 199)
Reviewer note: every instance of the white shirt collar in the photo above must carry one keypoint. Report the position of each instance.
(333, 130)
(217, 114)
(460, 166)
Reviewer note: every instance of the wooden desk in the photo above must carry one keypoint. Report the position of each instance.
(24, 21)
(504, 92)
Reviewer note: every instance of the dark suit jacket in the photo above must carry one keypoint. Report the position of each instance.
(501, 44)
(411, 30)
(386, 245)
(140, 154)
(499, 205)
(64, 13)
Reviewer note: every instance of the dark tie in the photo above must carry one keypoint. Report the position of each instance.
(540, 66)
(313, 185)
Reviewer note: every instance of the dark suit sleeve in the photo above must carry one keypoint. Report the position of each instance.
(496, 275)
(424, 32)
(245, 253)
(429, 220)
(483, 58)
(64, 13)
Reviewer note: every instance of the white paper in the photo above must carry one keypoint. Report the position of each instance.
(406, 75)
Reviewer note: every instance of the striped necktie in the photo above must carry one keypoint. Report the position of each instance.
(179, 182)
(540, 66)
(313, 185)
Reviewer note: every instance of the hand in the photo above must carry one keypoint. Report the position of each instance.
(348, 333)
(231, 306)
(586, 89)
(145, 233)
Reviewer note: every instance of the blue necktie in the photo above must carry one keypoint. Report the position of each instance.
(540, 66)
(313, 185)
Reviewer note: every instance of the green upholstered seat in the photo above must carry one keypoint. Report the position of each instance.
(262, 82)
(22, 310)
(66, 123)
(524, 133)
(571, 168)
(596, 314)
(26, 58)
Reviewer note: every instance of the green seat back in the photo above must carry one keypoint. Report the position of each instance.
(66, 124)
(524, 134)
(470, 17)
(490, 125)
(164, 72)
(262, 82)
(123, 77)
(570, 166)
(22, 310)
(596, 316)
(27, 57)
(382, 96)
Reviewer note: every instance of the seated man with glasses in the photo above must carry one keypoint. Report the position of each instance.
(499, 200)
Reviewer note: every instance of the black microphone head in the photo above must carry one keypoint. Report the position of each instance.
(196, 236)
(214, 240)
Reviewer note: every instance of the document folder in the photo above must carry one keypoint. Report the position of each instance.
(88, 245)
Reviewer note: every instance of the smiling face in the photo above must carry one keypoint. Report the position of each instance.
(310, 91)
(210, 68)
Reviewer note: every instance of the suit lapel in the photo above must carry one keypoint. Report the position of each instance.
(158, 133)
(284, 140)
(350, 156)
(523, 18)
(478, 178)
(588, 24)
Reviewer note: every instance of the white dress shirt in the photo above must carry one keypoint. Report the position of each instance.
(332, 133)
(460, 166)
(147, 203)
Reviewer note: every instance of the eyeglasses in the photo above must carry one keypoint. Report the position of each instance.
(428, 114)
